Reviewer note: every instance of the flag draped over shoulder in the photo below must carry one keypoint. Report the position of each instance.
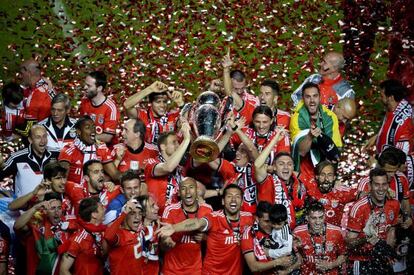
(300, 124)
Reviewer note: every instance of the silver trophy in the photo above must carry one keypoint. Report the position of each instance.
(206, 123)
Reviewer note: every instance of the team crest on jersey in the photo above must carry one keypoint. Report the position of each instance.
(391, 215)
(334, 203)
(100, 119)
(72, 133)
(329, 246)
(93, 117)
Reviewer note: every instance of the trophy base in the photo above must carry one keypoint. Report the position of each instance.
(204, 149)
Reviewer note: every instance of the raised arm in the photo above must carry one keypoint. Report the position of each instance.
(259, 164)
(133, 100)
(39, 192)
(306, 144)
(23, 220)
(172, 162)
(187, 225)
(228, 89)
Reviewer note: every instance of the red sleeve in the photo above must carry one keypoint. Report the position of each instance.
(265, 190)
(210, 221)
(82, 110)
(283, 145)
(247, 243)
(356, 222)
(149, 168)
(39, 107)
(247, 111)
(64, 156)
(226, 170)
(111, 235)
(340, 243)
(74, 247)
(112, 117)
(105, 154)
(235, 140)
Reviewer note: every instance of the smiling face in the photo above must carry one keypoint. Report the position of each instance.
(316, 220)
(232, 201)
(188, 192)
(311, 99)
(38, 139)
(87, 132)
(262, 123)
(378, 188)
(326, 179)
(284, 167)
(159, 105)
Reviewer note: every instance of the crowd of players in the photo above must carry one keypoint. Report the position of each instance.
(93, 201)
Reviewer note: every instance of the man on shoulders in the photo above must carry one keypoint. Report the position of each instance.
(332, 86)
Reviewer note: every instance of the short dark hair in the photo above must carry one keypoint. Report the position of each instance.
(278, 213)
(162, 139)
(88, 206)
(53, 169)
(87, 164)
(376, 172)
(99, 77)
(264, 110)
(154, 96)
(143, 201)
(52, 196)
(12, 93)
(388, 156)
(273, 85)
(262, 208)
(81, 121)
(393, 87)
(309, 85)
(237, 75)
(315, 207)
(139, 127)
(282, 154)
(232, 186)
(321, 165)
(129, 175)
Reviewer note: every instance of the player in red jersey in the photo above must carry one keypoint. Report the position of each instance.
(397, 127)
(322, 244)
(5, 239)
(163, 174)
(156, 118)
(371, 228)
(92, 185)
(322, 189)
(281, 187)
(134, 153)
(262, 132)
(100, 108)
(269, 95)
(185, 255)
(12, 113)
(39, 92)
(225, 229)
(125, 237)
(399, 186)
(45, 221)
(85, 252)
(257, 237)
(85, 148)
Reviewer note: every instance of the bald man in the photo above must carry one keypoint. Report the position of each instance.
(38, 92)
(331, 84)
(26, 166)
(345, 110)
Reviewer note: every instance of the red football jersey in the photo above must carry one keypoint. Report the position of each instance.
(157, 125)
(244, 178)
(105, 116)
(87, 254)
(223, 254)
(125, 248)
(261, 142)
(283, 119)
(397, 126)
(76, 158)
(136, 160)
(274, 190)
(164, 188)
(39, 102)
(10, 119)
(381, 218)
(333, 202)
(76, 192)
(246, 111)
(399, 185)
(325, 248)
(251, 243)
(185, 256)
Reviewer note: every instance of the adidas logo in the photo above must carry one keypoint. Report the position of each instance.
(78, 162)
(26, 166)
(226, 231)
